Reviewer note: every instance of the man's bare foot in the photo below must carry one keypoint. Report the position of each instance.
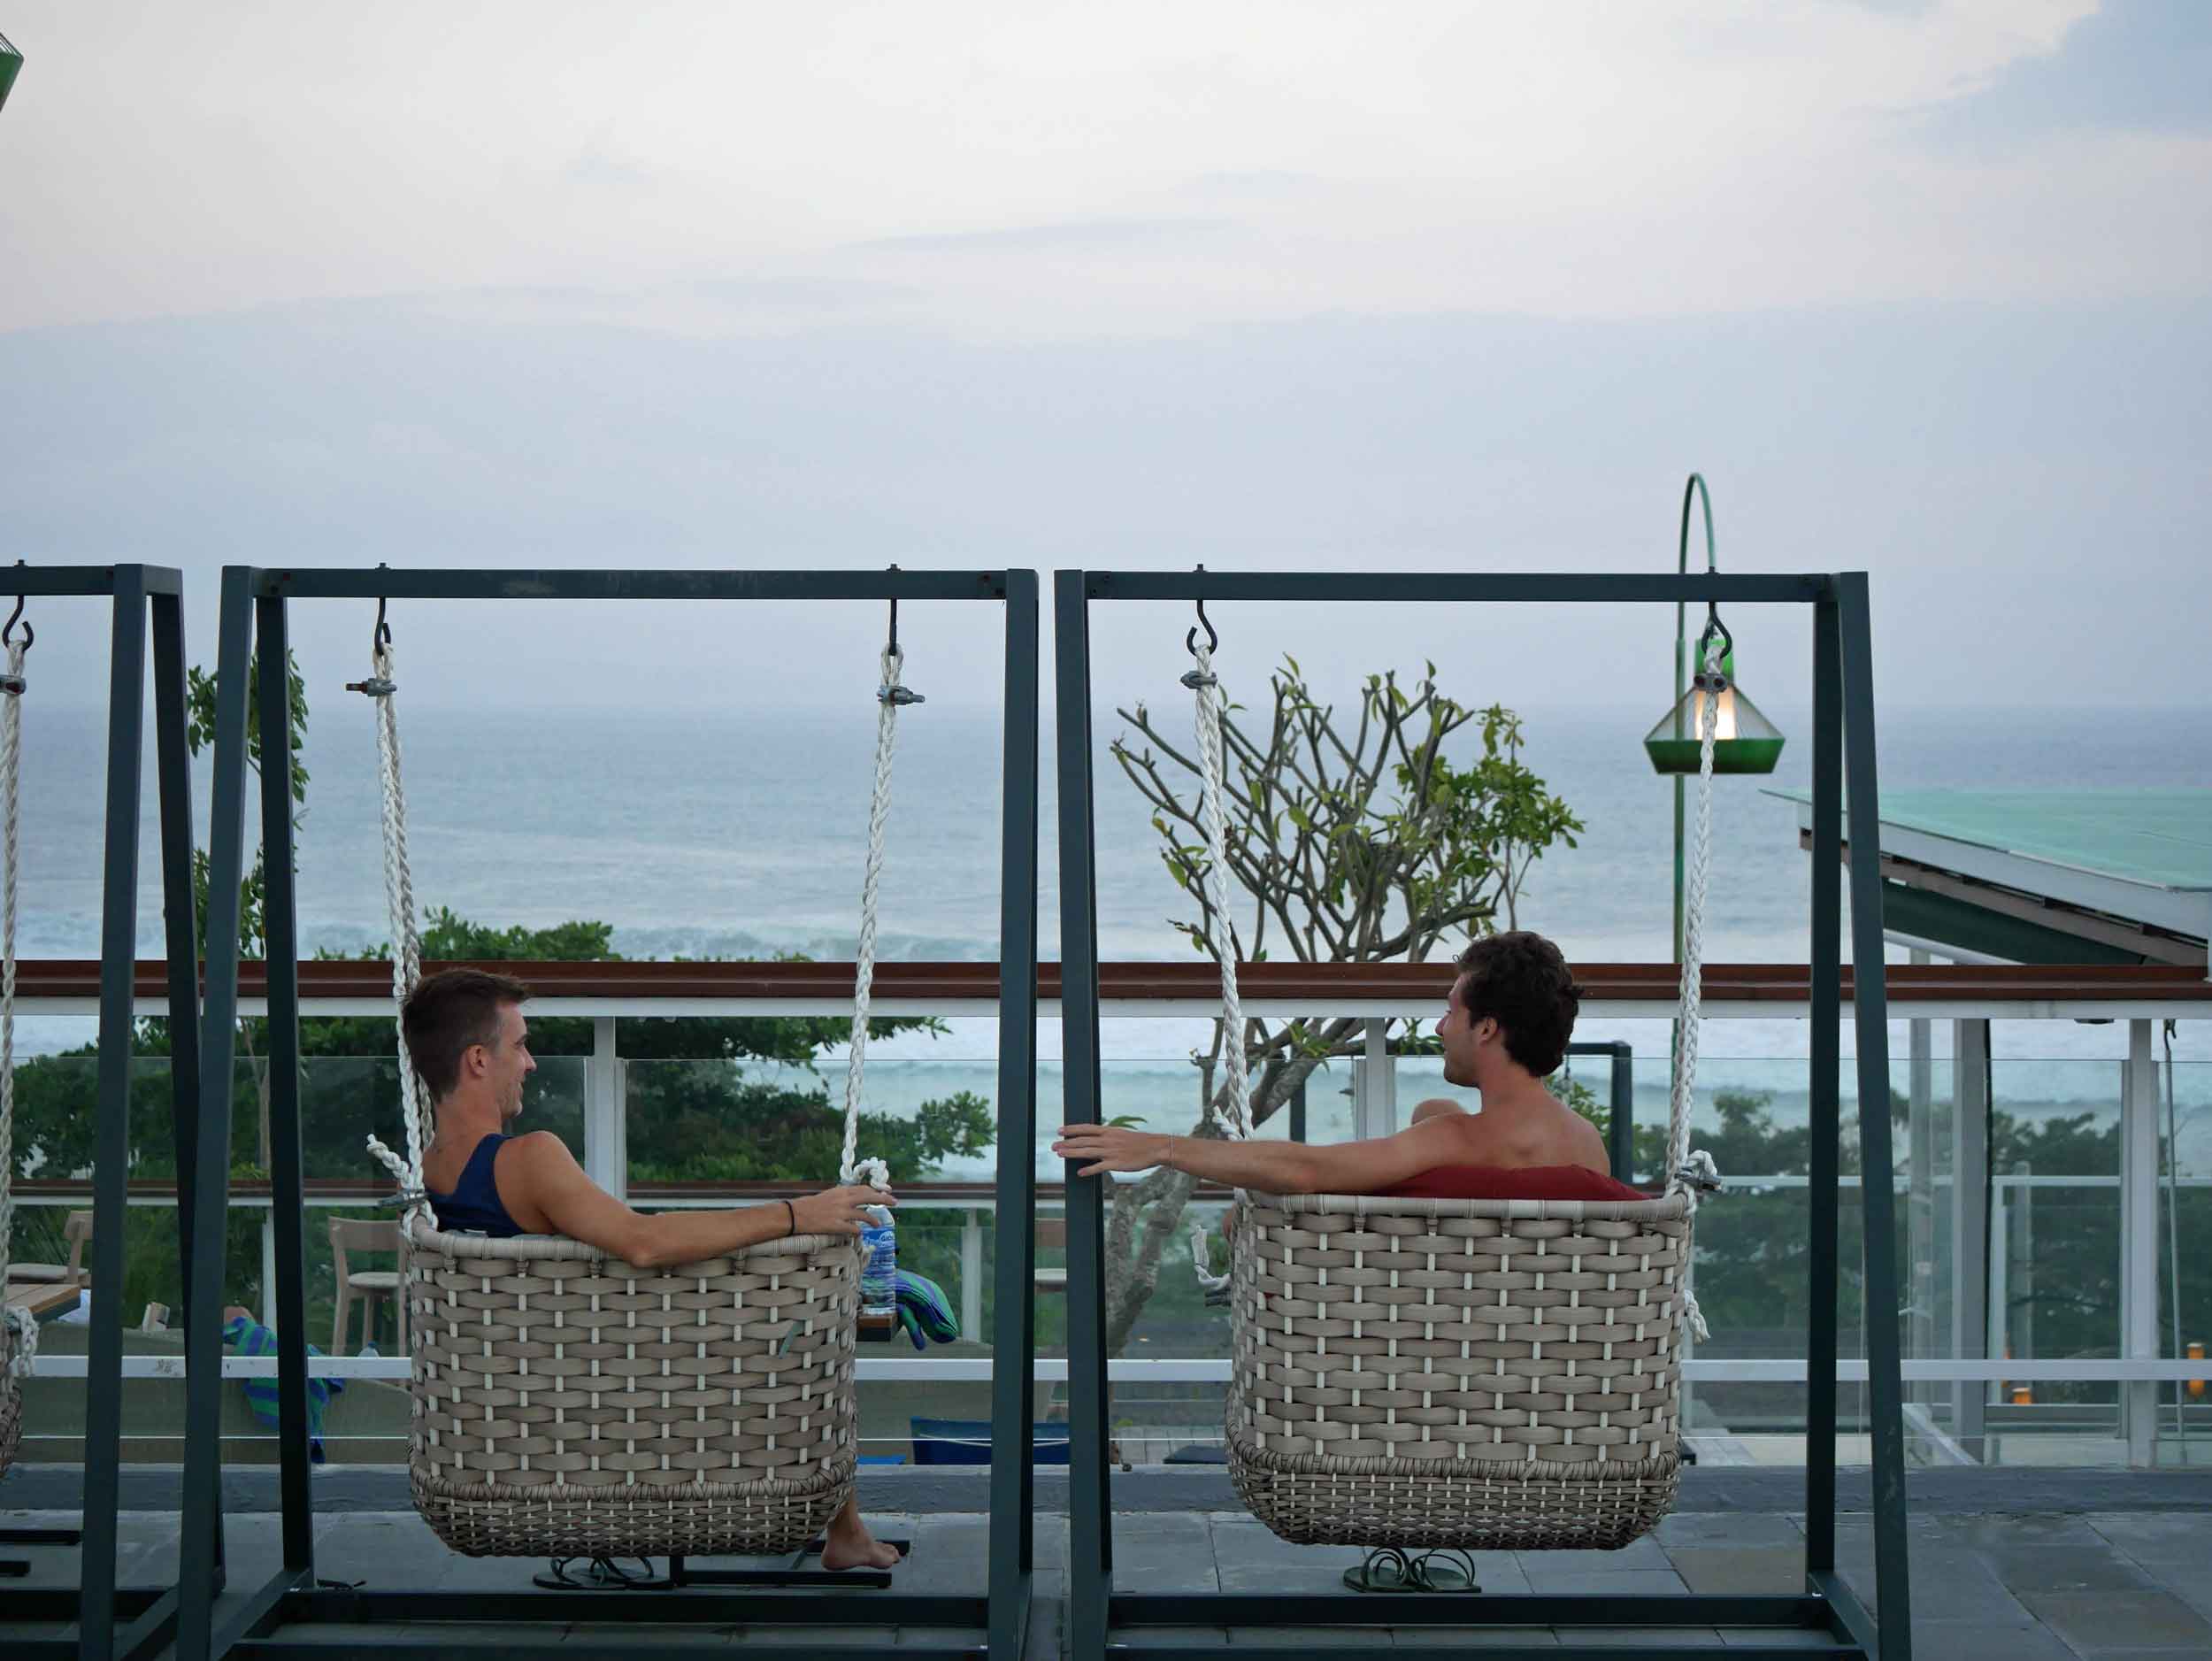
(847, 1543)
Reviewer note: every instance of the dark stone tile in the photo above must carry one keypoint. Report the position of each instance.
(2006, 1532)
(2160, 1532)
(1986, 1641)
(1249, 1558)
(951, 1556)
(1163, 1637)
(1169, 1552)
(1715, 1568)
(1725, 1528)
(1790, 1637)
(1633, 1582)
(1946, 1586)
(1655, 1637)
(1474, 1637)
(2089, 1620)
(2097, 1568)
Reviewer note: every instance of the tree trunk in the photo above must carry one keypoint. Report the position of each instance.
(1146, 1217)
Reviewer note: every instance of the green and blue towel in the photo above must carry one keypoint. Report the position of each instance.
(251, 1338)
(925, 1312)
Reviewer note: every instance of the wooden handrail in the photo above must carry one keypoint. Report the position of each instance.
(1323, 983)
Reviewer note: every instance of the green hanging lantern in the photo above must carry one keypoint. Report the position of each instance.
(1744, 740)
(10, 60)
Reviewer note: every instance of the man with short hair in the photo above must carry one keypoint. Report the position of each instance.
(470, 1044)
(1505, 1028)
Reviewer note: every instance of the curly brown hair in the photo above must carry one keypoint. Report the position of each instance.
(1521, 981)
(448, 1014)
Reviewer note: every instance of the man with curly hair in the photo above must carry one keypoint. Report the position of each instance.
(1506, 1020)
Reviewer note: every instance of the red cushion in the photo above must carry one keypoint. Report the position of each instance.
(1499, 1183)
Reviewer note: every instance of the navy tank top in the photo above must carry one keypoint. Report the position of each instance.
(474, 1203)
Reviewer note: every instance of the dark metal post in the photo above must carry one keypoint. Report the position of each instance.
(179, 919)
(181, 930)
(1871, 1009)
(1621, 1126)
(1298, 1110)
(1823, 1069)
(202, 1499)
(1090, 1523)
(118, 948)
(287, 1196)
(1014, 1343)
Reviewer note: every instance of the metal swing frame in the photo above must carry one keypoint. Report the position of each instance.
(129, 1621)
(1843, 753)
(255, 604)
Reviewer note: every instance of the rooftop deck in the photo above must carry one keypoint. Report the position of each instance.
(2020, 1565)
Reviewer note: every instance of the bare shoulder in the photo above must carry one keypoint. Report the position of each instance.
(1590, 1144)
(538, 1150)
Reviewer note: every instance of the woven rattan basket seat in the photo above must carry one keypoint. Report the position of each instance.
(566, 1403)
(1487, 1375)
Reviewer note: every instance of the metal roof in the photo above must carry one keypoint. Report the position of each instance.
(2141, 854)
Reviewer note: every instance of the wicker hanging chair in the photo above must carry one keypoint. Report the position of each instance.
(18, 1331)
(1472, 1374)
(569, 1405)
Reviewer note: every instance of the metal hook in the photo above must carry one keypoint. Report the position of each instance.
(7, 632)
(1213, 640)
(895, 694)
(1711, 675)
(380, 637)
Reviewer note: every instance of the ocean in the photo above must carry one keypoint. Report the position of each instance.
(740, 832)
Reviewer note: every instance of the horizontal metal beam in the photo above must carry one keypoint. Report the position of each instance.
(1488, 587)
(1546, 1648)
(1215, 1369)
(378, 583)
(67, 581)
(1797, 1611)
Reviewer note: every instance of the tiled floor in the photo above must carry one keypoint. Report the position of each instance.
(2018, 1587)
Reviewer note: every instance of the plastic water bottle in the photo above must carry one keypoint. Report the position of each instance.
(879, 1267)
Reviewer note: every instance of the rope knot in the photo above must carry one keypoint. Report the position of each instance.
(23, 1348)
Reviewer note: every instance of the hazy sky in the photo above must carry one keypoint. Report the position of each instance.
(1922, 288)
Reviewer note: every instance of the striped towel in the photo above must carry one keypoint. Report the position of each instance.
(924, 1311)
(251, 1338)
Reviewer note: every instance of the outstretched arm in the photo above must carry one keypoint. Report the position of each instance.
(1272, 1167)
(539, 1182)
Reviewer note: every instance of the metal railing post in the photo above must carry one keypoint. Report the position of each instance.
(2138, 1241)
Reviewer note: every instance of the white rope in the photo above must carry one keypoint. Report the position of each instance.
(850, 1169)
(1236, 1093)
(399, 894)
(1687, 1173)
(1236, 1100)
(24, 1325)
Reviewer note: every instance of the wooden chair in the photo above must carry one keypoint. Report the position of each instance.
(367, 1284)
(76, 1230)
(1052, 1232)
